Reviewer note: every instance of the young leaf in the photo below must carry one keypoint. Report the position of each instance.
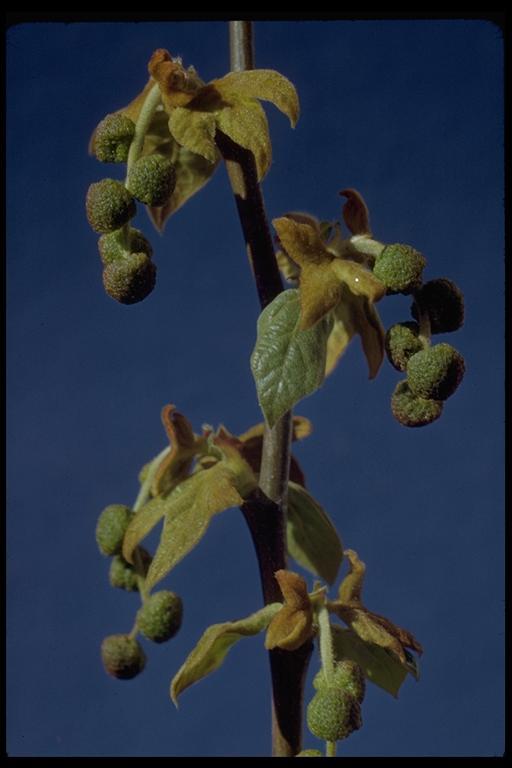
(379, 666)
(355, 315)
(246, 124)
(142, 523)
(355, 213)
(265, 84)
(292, 626)
(195, 130)
(287, 363)
(312, 539)
(188, 515)
(213, 646)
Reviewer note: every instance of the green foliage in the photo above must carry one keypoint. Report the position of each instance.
(109, 205)
(130, 279)
(435, 372)
(312, 539)
(111, 527)
(119, 244)
(287, 363)
(160, 616)
(402, 341)
(411, 410)
(310, 753)
(400, 268)
(443, 302)
(123, 575)
(331, 716)
(113, 137)
(152, 179)
(122, 656)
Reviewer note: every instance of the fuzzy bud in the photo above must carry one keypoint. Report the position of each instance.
(109, 205)
(443, 301)
(111, 527)
(114, 247)
(122, 575)
(400, 268)
(131, 279)
(160, 617)
(348, 679)
(413, 411)
(152, 179)
(331, 717)
(436, 372)
(122, 656)
(401, 342)
(113, 137)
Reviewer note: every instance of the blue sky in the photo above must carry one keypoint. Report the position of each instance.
(410, 113)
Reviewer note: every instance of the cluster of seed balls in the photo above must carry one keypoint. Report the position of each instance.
(433, 371)
(161, 614)
(335, 710)
(128, 270)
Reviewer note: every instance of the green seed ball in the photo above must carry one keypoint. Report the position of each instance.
(331, 717)
(130, 280)
(123, 575)
(160, 617)
(109, 205)
(310, 753)
(112, 246)
(111, 527)
(401, 343)
(348, 679)
(400, 268)
(443, 301)
(411, 410)
(436, 372)
(122, 656)
(152, 179)
(113, 137)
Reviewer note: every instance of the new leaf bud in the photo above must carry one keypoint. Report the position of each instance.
(436, 372)
(411, 410)
(400, 268)
(348, 679)
(160, 617)
(131, 279)
(401, 343)
(443, 301)
(111, 527)
(123, 575)
(109, 205)
(122, 656)
(331, 717)
(114, 247)
(152, 179)
(113, 138)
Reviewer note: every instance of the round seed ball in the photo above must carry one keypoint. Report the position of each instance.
(122, 656)
(436, 372)
(411, 410)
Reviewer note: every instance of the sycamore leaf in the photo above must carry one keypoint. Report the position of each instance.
(339, 338)
(188, 515)
(312, 539)
(359, 280)
(355, 213)
(291, 626)
(301, 428)
(177, 84)
(195, 130)
(379, 666)
(184, 446)
(263, 84)
(287, 363)
(351, 587)
(143, 523)
(213, 646)
(246, 124)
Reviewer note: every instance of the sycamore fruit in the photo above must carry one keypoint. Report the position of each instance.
(400, 268)
(160, 617)
(116, 245)
(111, 527)
(152, 179)
(109, 205)
(435, 372)
(443, 302)
(122, 656)
(332, 717)
(131, 279)
(113, 137)
(123, 575)
(401, 342)
(411, 410)
(348, 679)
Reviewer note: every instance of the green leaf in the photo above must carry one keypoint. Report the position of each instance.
(263, 84)
(214, 644)
(194, 130)
(287, 363)
(188, 512)
(246, 124)
(379, 665)
(143, 522)
(312, 539)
